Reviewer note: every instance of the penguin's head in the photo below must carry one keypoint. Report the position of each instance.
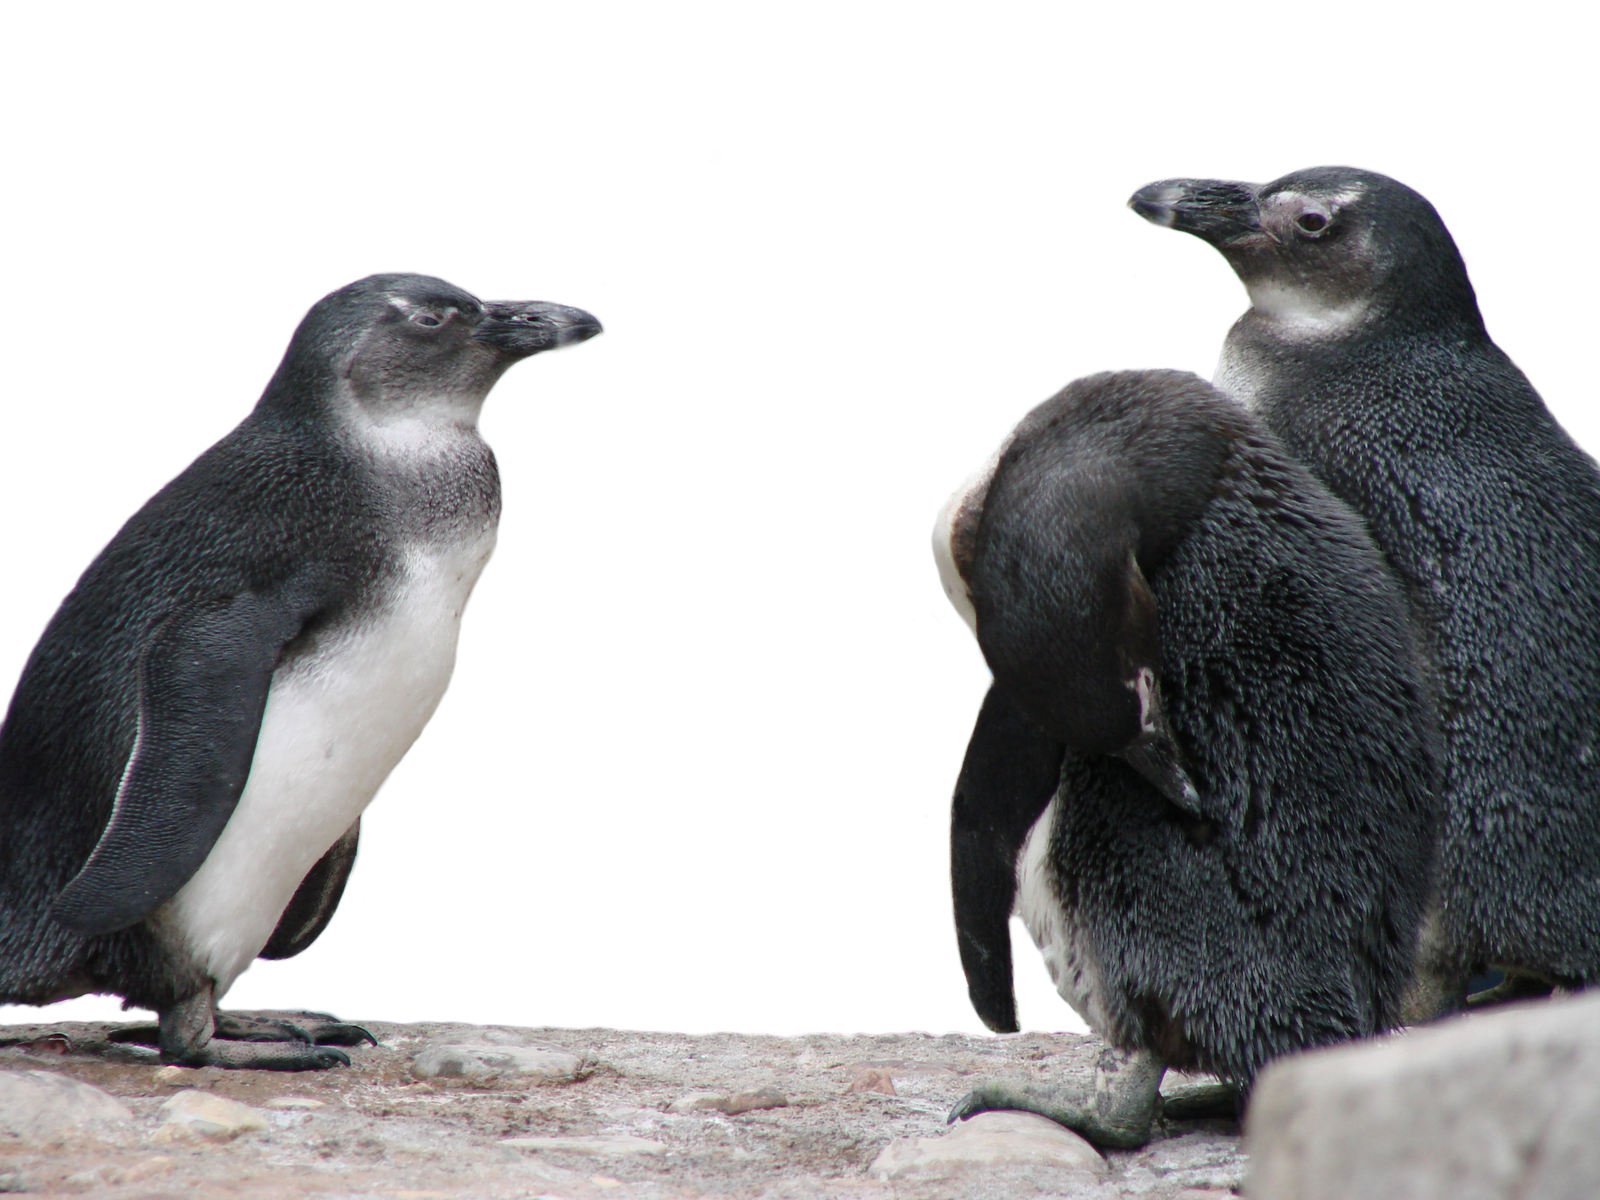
(1328, 247)
(405, 344)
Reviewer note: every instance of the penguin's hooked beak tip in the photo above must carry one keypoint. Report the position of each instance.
(1220, 211)
(1156, 204)
(520, 328)
(583, 327)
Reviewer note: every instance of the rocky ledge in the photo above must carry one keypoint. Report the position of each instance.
(454, 1110)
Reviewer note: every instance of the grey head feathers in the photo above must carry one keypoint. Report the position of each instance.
(1364, 351)
(1330, 245)
(396, 344)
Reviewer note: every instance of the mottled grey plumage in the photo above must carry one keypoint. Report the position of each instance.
(1143, 524)
(1365, 352)
(185, 758)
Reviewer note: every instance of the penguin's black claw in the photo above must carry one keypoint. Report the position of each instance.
(338, 1033)
(983, 1098)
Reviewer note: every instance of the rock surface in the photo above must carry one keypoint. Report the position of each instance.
(382, 1128)
(196, 1114)
(45, 1106)
(1496, 1105)
(486, 1062)
(987, 1143)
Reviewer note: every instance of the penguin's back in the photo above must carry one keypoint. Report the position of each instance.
(1288, 916)
(1490, 513)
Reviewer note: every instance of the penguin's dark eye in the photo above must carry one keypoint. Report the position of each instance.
(1312, 222)
(426, 320)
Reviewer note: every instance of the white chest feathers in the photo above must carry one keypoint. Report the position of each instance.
(953, 534)
(337, 721)
(1064, 946)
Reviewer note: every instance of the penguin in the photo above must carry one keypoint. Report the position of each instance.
(1205, 772)
(189, 749)
(1364, 351)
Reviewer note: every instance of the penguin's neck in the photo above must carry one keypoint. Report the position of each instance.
(413, 424)
(1294, 316)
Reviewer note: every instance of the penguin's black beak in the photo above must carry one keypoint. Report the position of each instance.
(519, 328)
(1219, 211)
(1155, 756)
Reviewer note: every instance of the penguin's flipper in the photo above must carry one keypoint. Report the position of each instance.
(1008, 778)
(203, 679)
(315, 899)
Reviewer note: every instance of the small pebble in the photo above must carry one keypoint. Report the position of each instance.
(873, 1079)
(196, 1114)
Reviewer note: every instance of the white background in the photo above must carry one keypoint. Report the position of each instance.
(693, 772)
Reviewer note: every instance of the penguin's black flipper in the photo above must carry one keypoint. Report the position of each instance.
(1007, 779)
(203, 679)
(318, 895)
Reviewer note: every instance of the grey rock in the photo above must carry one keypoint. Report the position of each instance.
(611, 1145)
(485, 1062)
(196, 1114)
(987, 1141)
(41, 1106)
(729, 1104)
(1483, 1107)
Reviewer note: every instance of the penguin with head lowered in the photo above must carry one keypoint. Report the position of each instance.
(1204, 774)
(193, 740)
(1364, 351)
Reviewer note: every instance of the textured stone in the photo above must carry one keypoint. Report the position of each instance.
(196, 1114)
(295, 1103)
(1484, 1107)
(873, 1079)
(485, 1062)
(729, 1104)
(41, 1106)
(987, 1141)
(381, 1133)
(601, 1145)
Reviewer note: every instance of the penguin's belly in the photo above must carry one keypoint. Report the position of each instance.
(336, 722)
(1062, 942)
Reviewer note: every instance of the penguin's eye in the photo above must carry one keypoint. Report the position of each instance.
(426, 319)
(1313, 222)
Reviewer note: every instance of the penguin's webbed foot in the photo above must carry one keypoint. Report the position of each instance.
(251, 1057)
(1117, 1114)
(318, 1029)
(1516, 985)
(194, 1034)
(310, 1029)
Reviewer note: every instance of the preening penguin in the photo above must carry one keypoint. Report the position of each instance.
(188, 752)
(1364, 350)
(1204, 774)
